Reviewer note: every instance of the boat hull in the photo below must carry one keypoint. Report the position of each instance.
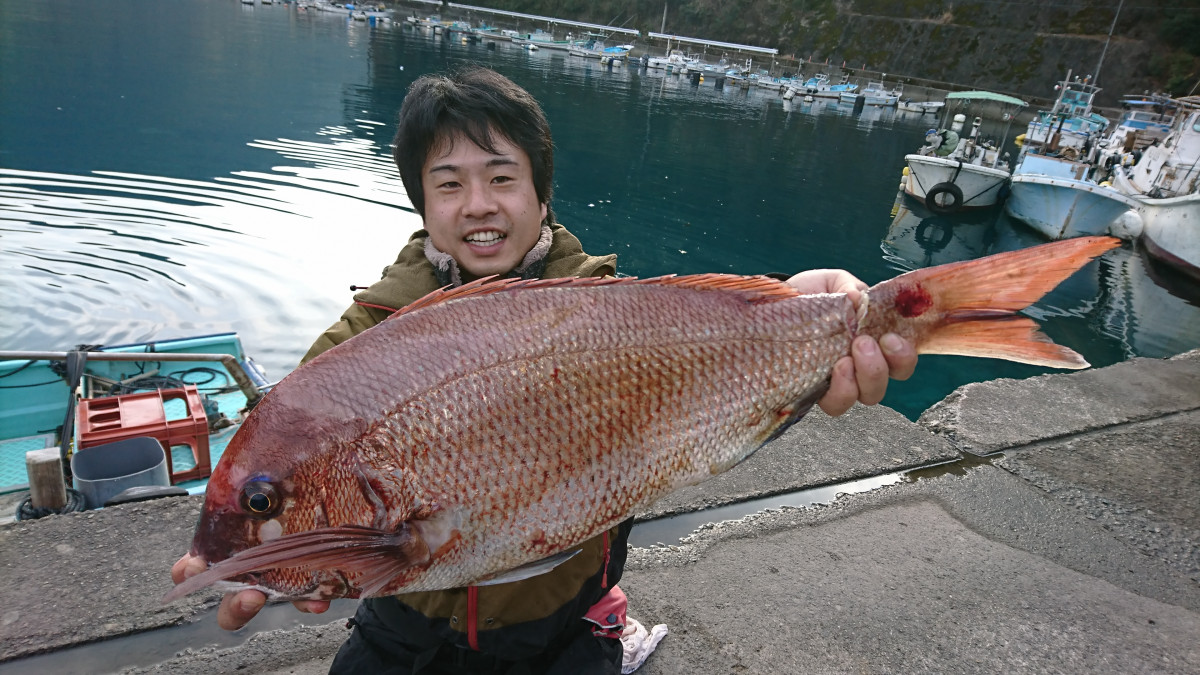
(979, 186)
(1171, 231)
(1061, 208)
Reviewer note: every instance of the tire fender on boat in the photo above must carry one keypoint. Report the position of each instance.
(954, 203)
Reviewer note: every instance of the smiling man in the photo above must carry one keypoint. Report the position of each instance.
(475, 154)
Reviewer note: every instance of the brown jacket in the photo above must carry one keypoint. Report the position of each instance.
(411, 278)
(513, 620)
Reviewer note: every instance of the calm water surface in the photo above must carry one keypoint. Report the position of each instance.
(200, 166)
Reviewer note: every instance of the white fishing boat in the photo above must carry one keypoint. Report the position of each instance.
(878, 93)
(922, 107)
(673, 61)
(1165, 185)
(951, 172)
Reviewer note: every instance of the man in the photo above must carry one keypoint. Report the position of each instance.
(475, 154)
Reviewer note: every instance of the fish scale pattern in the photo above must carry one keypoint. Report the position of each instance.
(525, 440)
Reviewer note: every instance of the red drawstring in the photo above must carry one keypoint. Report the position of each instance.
(607, 553)
(472, 617)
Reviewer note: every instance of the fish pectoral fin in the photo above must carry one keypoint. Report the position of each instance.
(376, 555)
(532, 569)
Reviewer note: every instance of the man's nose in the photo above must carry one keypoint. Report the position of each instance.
(480, 201)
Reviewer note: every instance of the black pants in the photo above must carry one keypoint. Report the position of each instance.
(375, 649)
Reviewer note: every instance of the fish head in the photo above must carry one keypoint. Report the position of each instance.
(273, 480)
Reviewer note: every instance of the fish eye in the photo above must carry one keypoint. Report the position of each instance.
(260, 498)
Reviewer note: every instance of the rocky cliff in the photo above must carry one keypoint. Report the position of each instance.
(1017, 46)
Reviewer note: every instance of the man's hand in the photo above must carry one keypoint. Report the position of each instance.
(236, 608)
(862, 376)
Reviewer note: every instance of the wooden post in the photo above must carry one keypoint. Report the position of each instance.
(47, 489)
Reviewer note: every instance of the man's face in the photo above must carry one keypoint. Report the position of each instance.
(481, 208)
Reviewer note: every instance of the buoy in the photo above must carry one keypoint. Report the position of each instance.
(905, 171)
(1128, 225)
(1019, 140)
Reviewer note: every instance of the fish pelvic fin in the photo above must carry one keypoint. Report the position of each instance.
(970, 308)
(529, 570)
(375, 556)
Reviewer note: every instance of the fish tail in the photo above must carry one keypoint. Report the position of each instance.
(970, 308)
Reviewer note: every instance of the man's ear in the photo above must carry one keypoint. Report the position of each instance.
(545, 210)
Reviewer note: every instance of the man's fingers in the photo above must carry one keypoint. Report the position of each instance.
(900, 354)
(311, 606)
(238, 608)
(870, 370)
(843, 390)
(187, 566)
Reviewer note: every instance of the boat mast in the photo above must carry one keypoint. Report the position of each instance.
(1105, 50)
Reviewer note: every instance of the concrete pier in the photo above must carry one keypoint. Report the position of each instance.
(1056, 529)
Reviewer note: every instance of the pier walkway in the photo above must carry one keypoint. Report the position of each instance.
(1056, 529)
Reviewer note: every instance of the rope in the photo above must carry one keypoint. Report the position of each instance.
(75, 502)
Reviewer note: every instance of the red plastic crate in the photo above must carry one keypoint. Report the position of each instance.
(116, 418)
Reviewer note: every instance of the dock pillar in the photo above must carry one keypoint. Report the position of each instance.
(47, 488)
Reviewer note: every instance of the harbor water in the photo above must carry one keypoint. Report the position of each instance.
(200, 166)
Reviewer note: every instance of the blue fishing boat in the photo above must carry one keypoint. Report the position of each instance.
(1070, 123)
(188, 394)
(1055, 186)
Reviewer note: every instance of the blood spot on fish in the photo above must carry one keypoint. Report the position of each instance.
(913, 301)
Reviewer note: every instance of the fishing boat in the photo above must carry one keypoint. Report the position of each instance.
(1164, 183)
(1147, 120)
(542, 39)
(188, 394)
(950, 173)
(819, 86)
(877, 93)
(922, 107)
(674, 61)
(1070, 124)
(1061, 198)
(1056, 187)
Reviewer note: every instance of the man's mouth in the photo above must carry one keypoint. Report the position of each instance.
(484, 238)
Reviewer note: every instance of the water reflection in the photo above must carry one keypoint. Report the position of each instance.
(1118, 295)
(115, 257)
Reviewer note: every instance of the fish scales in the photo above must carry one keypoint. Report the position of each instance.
(615, 406)
(487, 427)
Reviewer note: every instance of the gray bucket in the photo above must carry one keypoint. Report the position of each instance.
(104, 471)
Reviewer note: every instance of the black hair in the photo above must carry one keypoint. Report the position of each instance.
(477, 103)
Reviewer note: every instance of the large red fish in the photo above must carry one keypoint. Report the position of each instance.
(486, 428)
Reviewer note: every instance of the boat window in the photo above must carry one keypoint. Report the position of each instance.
(1196, 123)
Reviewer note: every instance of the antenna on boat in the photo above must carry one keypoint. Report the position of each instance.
(1110, 32)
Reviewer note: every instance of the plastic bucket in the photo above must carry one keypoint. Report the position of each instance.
(103, 471)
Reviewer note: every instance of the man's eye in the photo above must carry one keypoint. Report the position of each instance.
(502, 179)
(449, 185)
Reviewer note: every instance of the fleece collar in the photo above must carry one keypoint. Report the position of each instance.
(532, 265)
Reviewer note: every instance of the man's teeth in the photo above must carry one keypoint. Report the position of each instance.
(484, 237)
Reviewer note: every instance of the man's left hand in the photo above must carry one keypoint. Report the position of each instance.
(863, 375)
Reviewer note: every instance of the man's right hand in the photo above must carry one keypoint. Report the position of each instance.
(237, 609)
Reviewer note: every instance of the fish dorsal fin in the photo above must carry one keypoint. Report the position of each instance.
(532, 569)
(754, 289)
